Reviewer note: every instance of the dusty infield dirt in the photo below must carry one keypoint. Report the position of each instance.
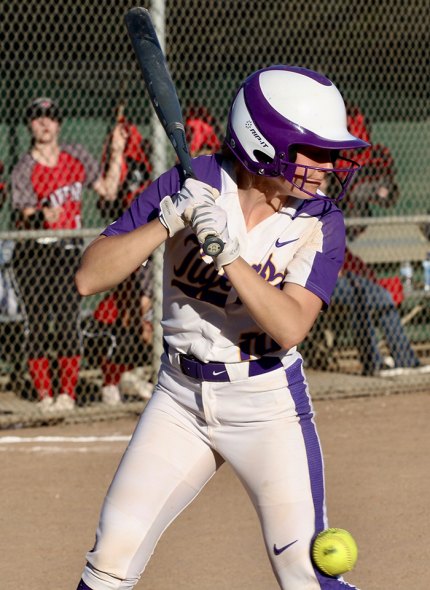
(378, 480)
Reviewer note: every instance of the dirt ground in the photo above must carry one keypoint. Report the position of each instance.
(378, 479)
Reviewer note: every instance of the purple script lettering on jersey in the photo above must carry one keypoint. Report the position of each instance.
(200, 280)
(267, 271)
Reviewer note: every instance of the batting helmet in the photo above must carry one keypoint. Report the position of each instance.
(280, 108)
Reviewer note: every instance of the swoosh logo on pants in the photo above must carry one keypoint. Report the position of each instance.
(279, 244)
(277, 551)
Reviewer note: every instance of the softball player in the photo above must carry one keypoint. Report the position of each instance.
(231, 385)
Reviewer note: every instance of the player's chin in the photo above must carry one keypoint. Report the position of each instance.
(311, 190)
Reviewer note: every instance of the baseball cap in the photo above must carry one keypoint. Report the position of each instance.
(43, 107)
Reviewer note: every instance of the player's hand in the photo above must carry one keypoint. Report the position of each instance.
(211, 220)
(52, 214)
(175, 212)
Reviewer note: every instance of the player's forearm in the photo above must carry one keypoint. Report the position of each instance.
(283, 317)
(107, 186)
(109, 260)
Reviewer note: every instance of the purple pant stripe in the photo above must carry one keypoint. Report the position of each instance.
(315, 463)
(304, 411)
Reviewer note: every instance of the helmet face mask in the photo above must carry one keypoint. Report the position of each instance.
(279, 109)
(338, 177)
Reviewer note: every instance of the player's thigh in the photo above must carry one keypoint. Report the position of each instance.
(280, 464)
(164, 467)
(277, 456)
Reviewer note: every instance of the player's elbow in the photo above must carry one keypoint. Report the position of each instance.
(82, 284)
(291, 336)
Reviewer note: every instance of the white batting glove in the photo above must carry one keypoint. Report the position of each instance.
(175, 211)
(211, 220)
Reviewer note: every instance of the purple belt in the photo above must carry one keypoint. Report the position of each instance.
(196, 369)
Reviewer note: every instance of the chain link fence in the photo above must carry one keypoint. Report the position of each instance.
(78, 55)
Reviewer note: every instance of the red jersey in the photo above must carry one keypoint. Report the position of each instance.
(37, 185)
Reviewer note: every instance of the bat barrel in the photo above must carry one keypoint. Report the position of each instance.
(162, 93)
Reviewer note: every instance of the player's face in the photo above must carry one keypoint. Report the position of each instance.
(312, 167)
(45, 130)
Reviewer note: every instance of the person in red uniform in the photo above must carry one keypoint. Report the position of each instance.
(125, 313)
(202, 131)
(375, 184)
(47, 186)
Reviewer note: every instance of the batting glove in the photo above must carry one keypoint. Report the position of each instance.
(211, 220)
(175, 211)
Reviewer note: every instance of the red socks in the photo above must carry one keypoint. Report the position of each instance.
(69, 372)
(41, 375)
(112, 372)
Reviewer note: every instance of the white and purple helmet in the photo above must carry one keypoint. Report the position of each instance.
(279, 108)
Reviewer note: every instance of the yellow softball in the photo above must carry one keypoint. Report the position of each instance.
(334, 552)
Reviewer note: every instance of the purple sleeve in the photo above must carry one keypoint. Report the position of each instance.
(327, 263)
(146, 206)
(317, 263)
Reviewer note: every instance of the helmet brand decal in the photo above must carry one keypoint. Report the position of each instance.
(254, 132)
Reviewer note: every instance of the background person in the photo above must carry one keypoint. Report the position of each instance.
(371, 307)
(375, 184)
(203, 132)
(125, 314)
(231, 385)
(358, 287)
(47, 186)
(135, 169)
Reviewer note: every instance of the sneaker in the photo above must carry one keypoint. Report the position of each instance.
(400, 371)
(131, 384)
(144, 389)
(389, 362)
(64, 403)
(45, 404)
(111, 395)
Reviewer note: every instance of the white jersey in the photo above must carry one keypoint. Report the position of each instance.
(303, 243)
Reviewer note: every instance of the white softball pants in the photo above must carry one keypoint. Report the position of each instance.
(263, 427)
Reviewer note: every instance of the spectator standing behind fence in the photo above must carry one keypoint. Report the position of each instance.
(47, 187)
(125, 314)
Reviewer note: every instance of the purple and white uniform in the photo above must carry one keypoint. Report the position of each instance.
(227, 390)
